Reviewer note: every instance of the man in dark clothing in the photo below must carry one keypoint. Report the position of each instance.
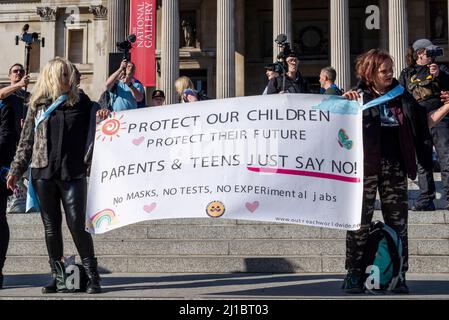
(15, 96)
(292, 80)
(425, 80)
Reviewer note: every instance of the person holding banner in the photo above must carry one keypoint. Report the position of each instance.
(56, 144)
(394, 131)
(8, 141)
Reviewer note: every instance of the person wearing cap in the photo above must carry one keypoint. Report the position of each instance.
(292, 80)
(270, 72)
(426, 80)
(158, 98)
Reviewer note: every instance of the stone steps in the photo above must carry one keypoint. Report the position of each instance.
(221, 264)
(224, 245)
(261, 247)
(224, 232)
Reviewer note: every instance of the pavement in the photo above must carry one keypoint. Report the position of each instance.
(224, 286)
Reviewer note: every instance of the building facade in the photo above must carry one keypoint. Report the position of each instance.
(222, 45)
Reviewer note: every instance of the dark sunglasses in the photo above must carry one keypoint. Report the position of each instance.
(20, 71)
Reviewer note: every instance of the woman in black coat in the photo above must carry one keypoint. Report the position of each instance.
(7, 149)
(394, 134)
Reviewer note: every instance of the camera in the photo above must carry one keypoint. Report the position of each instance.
(281, 41)
(281, 64)
(434, 51)
(125, 46)
(26, 37)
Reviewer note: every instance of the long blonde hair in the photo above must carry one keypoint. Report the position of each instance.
(50, 82)
(183, 83)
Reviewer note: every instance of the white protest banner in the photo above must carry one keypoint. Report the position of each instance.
(291, 158)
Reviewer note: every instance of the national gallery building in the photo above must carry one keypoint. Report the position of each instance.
(222, 45)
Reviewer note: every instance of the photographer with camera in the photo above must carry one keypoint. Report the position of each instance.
(426, 80)
(290, 79)
(125, 92)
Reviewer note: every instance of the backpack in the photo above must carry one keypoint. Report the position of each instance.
(106, 99)
(71, 278)
(384, 251)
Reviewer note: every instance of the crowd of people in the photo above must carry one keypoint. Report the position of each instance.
(50, 134)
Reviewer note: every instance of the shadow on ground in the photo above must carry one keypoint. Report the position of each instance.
(234, 284)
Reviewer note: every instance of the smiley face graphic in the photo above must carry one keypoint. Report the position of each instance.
(215, 209)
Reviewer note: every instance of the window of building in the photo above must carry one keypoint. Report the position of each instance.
(75, 46)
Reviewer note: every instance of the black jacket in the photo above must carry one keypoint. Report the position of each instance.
(440, 83)
(8, 136)
(414, 136)
(297, 85)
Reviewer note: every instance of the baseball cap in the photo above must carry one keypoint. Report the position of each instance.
(270, 66)
(421, 43)
(157, 94)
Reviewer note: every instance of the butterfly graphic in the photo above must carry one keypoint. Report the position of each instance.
(343, 140)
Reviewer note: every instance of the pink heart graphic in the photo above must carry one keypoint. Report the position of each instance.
(138, 141)
(252, 206)
(149, 208)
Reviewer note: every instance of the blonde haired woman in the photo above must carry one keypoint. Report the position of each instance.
(56, 147)
(186, 90)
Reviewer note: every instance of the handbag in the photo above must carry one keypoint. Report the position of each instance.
(32, 202)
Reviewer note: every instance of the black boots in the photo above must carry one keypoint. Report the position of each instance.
(51, 286)
(2, 263)
(91, 267)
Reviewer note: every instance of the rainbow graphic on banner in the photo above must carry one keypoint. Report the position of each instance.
(104, 218)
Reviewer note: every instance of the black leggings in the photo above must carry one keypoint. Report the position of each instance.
(4, 228)
(73, 196)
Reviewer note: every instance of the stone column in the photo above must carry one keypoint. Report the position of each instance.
(225, 49)
(48, 31)
(116, 22)
(127, 16)
(398, 33)
(340, 52)
(282, 22)
(100, 67)
(240, 49)
(170, 49)
(383, 32)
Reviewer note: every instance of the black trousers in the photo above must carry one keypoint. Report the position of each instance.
(4, 228)
(440, 137)
(73, 195)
